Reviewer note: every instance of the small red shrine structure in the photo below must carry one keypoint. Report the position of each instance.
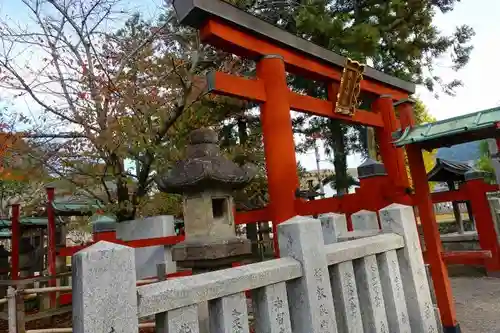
(470, 127)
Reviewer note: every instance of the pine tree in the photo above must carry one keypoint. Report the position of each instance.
(396, 36)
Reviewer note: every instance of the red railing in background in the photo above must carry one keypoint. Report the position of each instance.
(374, 194)
(372, 199)
(463, 257)
(165, 241)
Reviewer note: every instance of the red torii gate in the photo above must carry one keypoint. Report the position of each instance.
(278, 52)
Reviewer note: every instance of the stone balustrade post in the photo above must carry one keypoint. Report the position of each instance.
(311, 301)
(104, 289)
(400, 219)
(364, 220)
(333, 225)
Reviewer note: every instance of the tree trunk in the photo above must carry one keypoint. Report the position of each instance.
(371, 143)
(126, 210)
(340, 157)
(251, 227)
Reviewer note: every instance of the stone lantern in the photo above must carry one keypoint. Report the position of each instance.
(4, 262)
(26, 254)
(206, 180)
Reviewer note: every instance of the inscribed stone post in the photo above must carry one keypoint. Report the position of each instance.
(271, 309)
(229, 314)
(20, 310)
(310, 297)
(392, 289)
(104, 289)
(343, 280)
(332, 225)
(371, 296)
(401, 220)
(433, 295)
(364, 220)
(11, 310)
(368, 279)
(181, 320)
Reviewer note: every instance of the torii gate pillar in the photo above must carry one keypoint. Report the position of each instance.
(279, 145)
(434, 248)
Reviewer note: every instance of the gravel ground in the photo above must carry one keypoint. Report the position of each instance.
(478, 303)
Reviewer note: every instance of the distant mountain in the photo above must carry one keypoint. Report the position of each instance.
(465, 152)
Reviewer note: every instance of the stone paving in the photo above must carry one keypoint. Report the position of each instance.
(478, 303)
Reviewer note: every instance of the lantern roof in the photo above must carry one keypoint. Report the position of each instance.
(204, 167)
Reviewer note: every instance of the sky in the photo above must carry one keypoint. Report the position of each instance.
(479, 76)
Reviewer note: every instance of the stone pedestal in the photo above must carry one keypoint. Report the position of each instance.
(147, 258)
(206, 254)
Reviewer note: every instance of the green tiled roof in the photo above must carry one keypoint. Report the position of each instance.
(29, 221)
(5, 234)
(68, 206)
(449, 127)
(103, 223)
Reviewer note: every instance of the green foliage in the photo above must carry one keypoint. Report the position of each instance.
(131, 94)
(422, 116)
(29, 194)
(333, 181)
(484, 162)
(397, 36)
(8, 190)
(484, 149)
(421, 113)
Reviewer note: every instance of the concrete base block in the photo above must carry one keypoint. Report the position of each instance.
(468, 241)
(147, 258)
(468, 236)
(495, 274)
(452, 329)
(211, 253)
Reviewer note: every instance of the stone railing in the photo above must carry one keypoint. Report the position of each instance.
(494, 203)
(372, 284)
(447, 208)
(365, 224)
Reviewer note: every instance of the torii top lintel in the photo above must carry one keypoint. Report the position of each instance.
(234, 30)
